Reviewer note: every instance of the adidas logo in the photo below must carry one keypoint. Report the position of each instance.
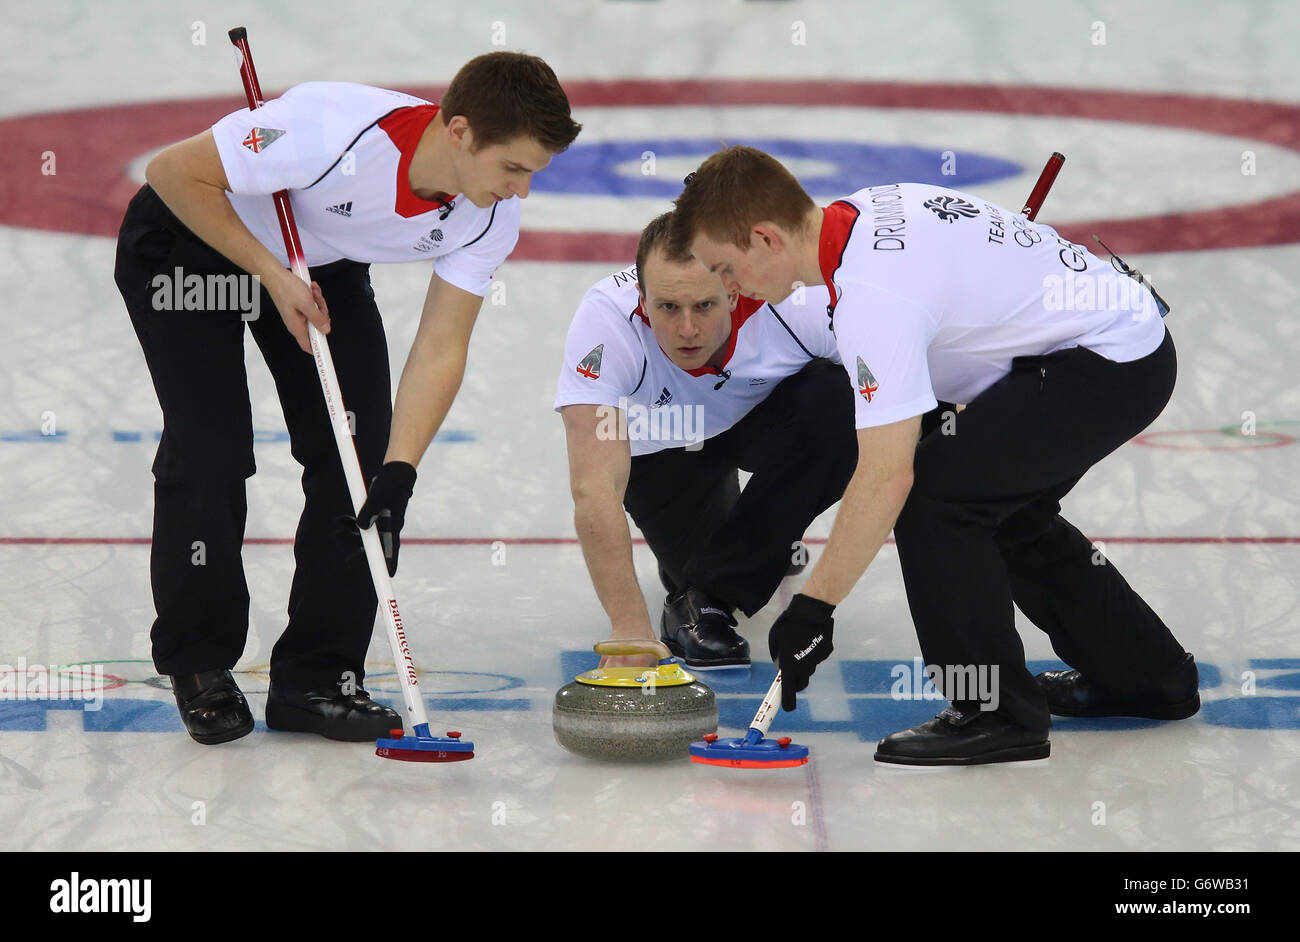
(343, 209)
(665, 397)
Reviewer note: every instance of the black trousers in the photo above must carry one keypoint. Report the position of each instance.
(734, 545)
(982, 529)
(196, 359)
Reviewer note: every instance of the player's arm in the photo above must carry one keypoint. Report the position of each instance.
(434, 370)
(800, 638)
(190, 179)
(871, 503)
(599, 466)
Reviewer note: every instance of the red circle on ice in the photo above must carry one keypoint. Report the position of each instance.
(1162, 440)
(90, 150)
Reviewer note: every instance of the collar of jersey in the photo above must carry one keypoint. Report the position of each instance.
(837, 225)
(745, 308)
(404, 127)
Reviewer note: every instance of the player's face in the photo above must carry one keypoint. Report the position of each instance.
(742, 270)
(689, 310)
(501, 171)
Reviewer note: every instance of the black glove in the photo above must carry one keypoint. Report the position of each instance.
(800, 639)
(385, 507)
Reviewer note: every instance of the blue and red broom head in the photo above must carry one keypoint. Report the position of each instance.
(424, 748)
(746, 753)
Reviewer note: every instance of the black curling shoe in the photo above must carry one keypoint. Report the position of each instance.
(212, 706)
(345, 717)
(954, 738)
(702, 632)
(1175, 697)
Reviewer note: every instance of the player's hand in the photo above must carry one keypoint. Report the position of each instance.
(298, 304)
(385, 507)
(800, 639)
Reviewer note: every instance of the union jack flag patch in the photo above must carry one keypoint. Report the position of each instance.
(590, 365)
(867, 384)
(259, 139)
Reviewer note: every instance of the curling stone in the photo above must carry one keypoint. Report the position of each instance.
(634, 714)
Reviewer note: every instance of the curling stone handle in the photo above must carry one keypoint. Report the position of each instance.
(634, 646)
(766, 711)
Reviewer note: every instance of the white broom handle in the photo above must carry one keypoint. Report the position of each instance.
(338, 419)
(369, 537)
(767, 709)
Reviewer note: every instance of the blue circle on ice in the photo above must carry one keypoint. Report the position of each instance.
(655, 168)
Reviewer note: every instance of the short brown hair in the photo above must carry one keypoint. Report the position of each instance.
(504, 95)
(658, 234)
(734, 190)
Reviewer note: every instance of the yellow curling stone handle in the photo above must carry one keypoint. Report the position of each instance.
(638, 646)
(665, 675)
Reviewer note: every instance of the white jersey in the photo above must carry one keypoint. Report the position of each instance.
(612, 359)
(344, 153)
(935, 291)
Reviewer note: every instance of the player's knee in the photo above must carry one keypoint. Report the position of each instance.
(314, 447)
(928, 515)
(942, 473)
(921, 519)
(209, 462)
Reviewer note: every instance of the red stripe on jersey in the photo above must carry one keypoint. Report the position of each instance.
(837, 225)
(745, 308)
(404, 128)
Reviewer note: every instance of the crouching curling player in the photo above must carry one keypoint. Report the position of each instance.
(670, 387)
